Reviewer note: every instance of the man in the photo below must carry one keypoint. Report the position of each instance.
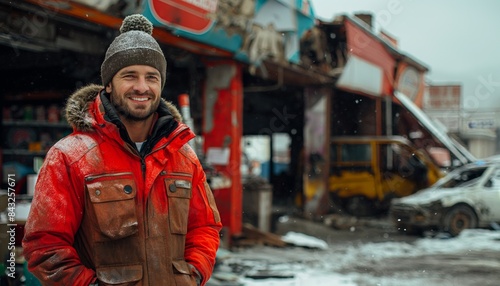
(123, 200)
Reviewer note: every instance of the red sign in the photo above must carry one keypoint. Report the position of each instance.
(190, 15)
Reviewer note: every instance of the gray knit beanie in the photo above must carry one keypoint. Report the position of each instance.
(134, 46)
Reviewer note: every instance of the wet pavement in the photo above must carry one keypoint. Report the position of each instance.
(363, 252)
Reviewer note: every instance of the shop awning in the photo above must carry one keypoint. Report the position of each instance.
(291, 74)
(453, 146)
(89, 14)
(361, 76)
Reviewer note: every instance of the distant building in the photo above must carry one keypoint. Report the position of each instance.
(477, 129)
(442, 103)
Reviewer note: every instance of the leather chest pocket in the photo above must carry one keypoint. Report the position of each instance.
(112, 199)
(179, 194)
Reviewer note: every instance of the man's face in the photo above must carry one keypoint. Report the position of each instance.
(135, 92)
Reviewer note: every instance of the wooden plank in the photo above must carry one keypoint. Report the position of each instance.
(251, 236)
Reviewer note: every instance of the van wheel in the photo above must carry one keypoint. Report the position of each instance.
(459, 218)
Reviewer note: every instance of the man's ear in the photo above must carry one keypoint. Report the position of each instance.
(108, 88)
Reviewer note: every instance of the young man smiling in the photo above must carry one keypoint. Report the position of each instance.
(123, 200)
(135, 93)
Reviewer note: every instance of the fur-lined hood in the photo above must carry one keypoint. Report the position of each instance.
(77, 108)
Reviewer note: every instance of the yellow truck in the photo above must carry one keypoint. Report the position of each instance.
(367, 172)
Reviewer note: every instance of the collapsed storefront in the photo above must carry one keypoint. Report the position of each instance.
(239, 81)
(376, 97)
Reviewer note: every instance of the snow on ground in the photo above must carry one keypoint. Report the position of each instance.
(468, 240)
(318, 265)
(300, 239)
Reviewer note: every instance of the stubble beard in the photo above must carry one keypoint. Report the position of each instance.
(126, 113)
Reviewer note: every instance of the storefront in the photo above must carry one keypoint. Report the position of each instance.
(239, 65)
(244, 69)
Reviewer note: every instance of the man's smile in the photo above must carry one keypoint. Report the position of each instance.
(140, 98)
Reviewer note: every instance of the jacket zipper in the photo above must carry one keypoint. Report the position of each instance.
(143, 168)
(169, 141)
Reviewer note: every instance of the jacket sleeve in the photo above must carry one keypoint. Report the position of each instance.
(202, 239)
(55, 216)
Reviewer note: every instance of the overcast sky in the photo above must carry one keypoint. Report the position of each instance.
(458, 40)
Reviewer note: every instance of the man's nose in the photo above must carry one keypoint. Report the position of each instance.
(141, 85)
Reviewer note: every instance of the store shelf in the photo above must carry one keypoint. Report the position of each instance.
(23, 152)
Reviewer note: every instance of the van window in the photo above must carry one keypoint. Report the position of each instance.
(356, 153)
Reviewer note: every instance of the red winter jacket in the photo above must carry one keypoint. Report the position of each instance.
(103, 210)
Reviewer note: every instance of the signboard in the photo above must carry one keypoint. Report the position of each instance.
(189, 15)
(244, 27)
(409, 82)
(481, 124)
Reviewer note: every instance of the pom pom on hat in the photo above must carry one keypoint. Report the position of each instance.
(136, 22)
(134, 46)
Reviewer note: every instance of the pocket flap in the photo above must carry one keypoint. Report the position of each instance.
(119, 274)
(111, 190)
(181, 266)
(178, 188)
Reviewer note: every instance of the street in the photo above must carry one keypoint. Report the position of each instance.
(370, 252)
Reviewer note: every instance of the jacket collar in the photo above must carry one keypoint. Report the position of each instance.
(78, 108)
(85, 111)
